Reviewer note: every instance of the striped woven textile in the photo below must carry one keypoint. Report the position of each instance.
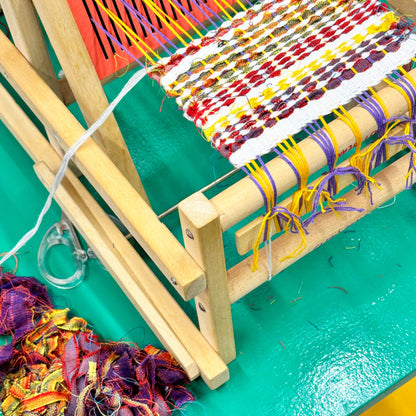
(274, 68)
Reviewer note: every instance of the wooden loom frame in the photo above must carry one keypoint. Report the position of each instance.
(199, 271)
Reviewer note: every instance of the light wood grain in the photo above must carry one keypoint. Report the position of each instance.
(242, 280)
(76, 63)
(149, 296)
(247, 235)
(169, 255)
(406, 7)
(28, 37)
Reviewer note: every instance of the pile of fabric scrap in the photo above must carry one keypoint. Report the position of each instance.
(56, 365)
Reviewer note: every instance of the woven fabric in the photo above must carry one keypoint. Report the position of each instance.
(55, 365)
(278, 66)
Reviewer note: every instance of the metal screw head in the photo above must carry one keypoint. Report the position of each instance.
(189, 234)
(173, 280)
(202, 307)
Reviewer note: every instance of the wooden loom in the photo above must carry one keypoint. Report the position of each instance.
(198, 270)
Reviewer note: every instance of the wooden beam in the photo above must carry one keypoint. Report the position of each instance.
(202, 234)
(101, 242)
(168, 254)
(28, 37)
(149, 296)
(76, 63)
(406, 7)
(243, 198)
(242, 280)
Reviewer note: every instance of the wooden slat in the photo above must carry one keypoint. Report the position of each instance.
(247, 235)
(202, 234)
(240, 200)
(134, 276)
(172, 259)
(73, 56)
(28, 37)
(406, 7)
(242, 280)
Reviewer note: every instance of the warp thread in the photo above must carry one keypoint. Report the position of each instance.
(54, 365)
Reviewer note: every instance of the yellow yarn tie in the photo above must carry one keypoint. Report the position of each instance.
(402, 92)
(352, 124)
(364, 159)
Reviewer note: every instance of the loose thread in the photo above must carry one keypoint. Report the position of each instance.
(296, 300)
(315, 326)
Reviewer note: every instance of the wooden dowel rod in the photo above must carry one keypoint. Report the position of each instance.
(243, 198)
(406, 7)
(130, 269)
(242, 280)
(247, 235)
(164, 249)
(76, 63)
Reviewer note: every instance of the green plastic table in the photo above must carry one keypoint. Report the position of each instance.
(329, 353)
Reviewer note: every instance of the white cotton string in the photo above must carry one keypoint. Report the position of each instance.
(67, 157)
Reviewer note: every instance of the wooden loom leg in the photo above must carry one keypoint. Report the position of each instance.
(164, 249)
(152, 300)
(28, 37)
(202, 234)
(69, 47)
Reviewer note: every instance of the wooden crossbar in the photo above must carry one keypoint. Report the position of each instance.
(243, 198)
(164, 316)
(77, 66)
(172, 259)
(246, 236)
(242, 280)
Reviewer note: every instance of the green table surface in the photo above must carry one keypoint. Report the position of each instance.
(330, 353)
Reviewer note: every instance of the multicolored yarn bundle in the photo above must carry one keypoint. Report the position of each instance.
(55, 365)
